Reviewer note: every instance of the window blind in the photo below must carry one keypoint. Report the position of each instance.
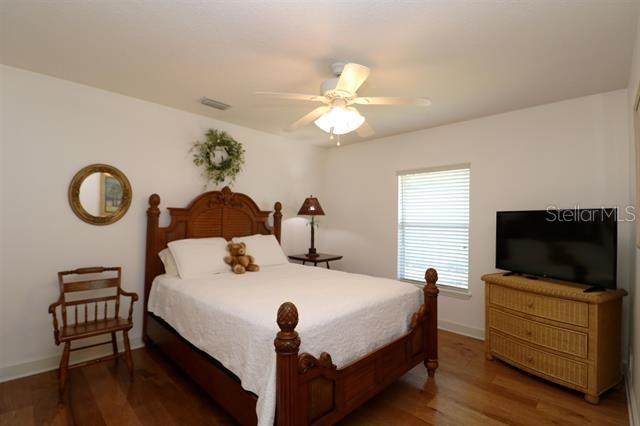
(433, 225)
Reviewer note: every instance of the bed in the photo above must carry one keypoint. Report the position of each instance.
(323, 364)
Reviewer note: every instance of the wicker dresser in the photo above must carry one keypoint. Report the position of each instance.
(556, 331)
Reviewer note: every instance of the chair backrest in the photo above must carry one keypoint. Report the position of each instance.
(79, 306)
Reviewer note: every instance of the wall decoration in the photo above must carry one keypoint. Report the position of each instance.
(100, 194)
(221, 156)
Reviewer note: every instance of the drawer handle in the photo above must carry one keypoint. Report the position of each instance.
(528, 333)
(530, 305)
(530, 359)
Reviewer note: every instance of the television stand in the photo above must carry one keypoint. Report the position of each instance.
(518, 274)
(594, 289)
(554, 330)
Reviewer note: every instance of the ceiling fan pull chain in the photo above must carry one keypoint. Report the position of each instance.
(338, 143)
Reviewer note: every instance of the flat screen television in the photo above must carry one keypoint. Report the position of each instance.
(578, 245)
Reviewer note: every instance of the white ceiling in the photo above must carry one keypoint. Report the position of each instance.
(472, 58)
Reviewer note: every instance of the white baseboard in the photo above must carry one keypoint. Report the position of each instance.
(51, 363)
(632, 404)
(476, 333)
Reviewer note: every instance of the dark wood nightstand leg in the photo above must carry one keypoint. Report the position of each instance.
(315, 263)
(328, 267)
(304, 262)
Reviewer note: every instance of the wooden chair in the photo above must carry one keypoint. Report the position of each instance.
(91, 316)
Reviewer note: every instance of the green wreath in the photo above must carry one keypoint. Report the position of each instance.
(210, 155)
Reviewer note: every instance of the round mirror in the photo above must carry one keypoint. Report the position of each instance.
(100, 194)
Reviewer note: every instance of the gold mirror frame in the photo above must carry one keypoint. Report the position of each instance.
(74, 194)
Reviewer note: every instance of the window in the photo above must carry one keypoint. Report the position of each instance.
(433, 225)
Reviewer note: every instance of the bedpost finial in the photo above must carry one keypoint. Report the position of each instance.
(153, 212)
(287, 341)
(277, 220)
(287, 317)
(431, 276)
(431, 290)
(154, 200)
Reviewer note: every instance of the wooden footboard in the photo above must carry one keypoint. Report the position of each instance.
(312, 390)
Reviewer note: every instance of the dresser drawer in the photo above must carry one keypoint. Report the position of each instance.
(552, 366)
(562, 340)
(567, 311)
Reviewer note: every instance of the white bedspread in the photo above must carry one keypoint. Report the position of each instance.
(233, 317)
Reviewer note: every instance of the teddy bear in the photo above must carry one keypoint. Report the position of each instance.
(239, 260)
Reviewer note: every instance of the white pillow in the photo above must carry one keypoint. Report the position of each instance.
(199, 256)
(264, 248)
(169, 262)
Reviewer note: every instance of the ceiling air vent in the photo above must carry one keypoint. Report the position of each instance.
(214, 104)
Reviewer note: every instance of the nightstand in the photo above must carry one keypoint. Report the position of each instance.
(319, 258)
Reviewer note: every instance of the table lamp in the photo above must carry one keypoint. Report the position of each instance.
(311, 207)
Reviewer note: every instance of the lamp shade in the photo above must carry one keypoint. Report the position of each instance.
(311, 207)
(341, 119)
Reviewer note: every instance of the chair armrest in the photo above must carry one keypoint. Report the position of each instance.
(134, 298)
(52, 311)
(132, 295)
(54, 305)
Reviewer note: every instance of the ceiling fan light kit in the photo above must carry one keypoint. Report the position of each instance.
(337, 116)
(340, 120)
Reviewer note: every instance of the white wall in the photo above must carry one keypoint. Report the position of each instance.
(50, 129)
(563, 154)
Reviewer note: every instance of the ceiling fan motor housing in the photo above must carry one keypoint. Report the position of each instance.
(328, 87)
(337, 68)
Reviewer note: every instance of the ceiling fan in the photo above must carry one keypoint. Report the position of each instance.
(337, 116)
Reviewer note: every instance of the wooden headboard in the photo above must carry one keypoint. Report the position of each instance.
(212, 214)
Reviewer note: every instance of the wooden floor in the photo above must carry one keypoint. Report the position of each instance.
(467, 390)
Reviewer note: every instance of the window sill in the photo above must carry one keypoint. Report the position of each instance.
(446, 290)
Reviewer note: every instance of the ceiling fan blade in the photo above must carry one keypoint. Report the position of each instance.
(352, 77)
(377, 100)
(365, 130)
(312, 116)
(294, 96)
